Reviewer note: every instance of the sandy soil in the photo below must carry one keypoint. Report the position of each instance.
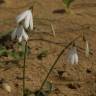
(77, 80)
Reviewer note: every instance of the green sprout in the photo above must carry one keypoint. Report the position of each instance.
(67, 4)
(3, 51)
(42, 54)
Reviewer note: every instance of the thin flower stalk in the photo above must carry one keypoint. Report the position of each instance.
(52, 67)
(24, 67)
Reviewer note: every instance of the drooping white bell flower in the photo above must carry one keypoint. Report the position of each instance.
(73, 56)
(20, 34)
(6, 87)
(27, 19)
(87, 50)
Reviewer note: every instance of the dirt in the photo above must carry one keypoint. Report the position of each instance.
(76, 80)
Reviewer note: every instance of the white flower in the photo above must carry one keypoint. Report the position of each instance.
(27, 18)
(20, 34)
(87, 50)
(73, 56)
(6, 87)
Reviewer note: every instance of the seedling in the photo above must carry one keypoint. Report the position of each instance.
(42, 54)
(28, 92)
(67, 4)
(40, 93)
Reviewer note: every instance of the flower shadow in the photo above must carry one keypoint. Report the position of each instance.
(2, 1)
(59, 11)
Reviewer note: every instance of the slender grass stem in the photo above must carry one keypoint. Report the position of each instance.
(52, 27)
(24, 67)
(60, 54)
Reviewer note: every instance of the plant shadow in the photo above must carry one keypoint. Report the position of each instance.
(2, 1)
(59, 11)
(5, 40)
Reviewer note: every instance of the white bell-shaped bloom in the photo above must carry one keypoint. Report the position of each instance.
(20, 34)
(73, 56)
(27, 19)
(87, 50)
(6, 87)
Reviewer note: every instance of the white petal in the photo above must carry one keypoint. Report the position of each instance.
(73, 56)
(71, 59)
(27, 20)
(76, 58)
(20, 38)
(22, 34)
(31, 21)
(21, 16)
(70, 56)
(87, 50)
(25, 36)
(19, 33)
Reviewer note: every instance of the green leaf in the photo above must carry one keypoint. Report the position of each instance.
(14, 55)
(22, 47)
(21, 54)
(48, 87)
(67, 2)
(28, 92)
(3, 51)
(40, 93)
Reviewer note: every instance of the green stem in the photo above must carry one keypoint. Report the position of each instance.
(60, 54)
(24, 71)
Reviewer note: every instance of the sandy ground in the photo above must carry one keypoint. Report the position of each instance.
(77, 80)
